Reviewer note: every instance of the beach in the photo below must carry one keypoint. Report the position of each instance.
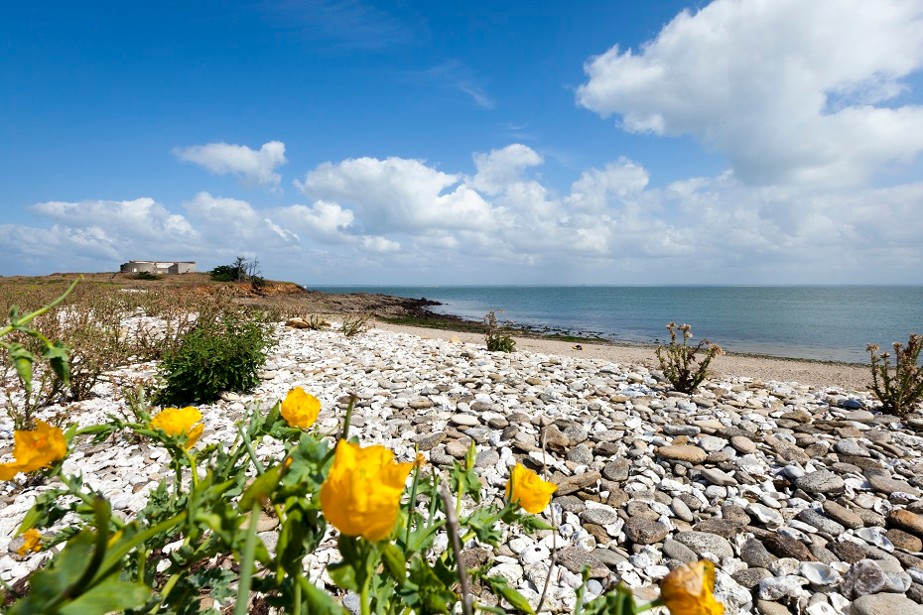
(783, 473)
(818, 373)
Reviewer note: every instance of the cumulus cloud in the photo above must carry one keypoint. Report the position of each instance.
(398, 194)
(256, 166)
(790, 91)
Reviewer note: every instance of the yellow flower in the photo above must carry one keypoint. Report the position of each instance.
(687, 590)
(362, 493)
(528, 490)
(34, 449)
(177, 422)
(300, 409)
(419, 461)
(31, 542)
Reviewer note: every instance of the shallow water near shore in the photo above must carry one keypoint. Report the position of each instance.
(828, 323)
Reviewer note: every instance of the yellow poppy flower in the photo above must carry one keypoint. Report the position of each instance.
(180, 421)
(528, 490)
(687, 590)
(362, 493)
(300, 409)
(34, 449)
(31, 542)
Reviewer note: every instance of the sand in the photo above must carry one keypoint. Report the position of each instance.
(815, 373)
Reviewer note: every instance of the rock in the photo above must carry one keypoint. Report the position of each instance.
(755, 554)
(599, 515)
(751, 577)
(717, 477)
(555, 440)
(486, 458)
(644, 531)
(617, 470)
(679, 551)
(886, 485)
(743, 444)
(768, 607)
(775, 588)
(848, 552)
(820, 482)
(702, 543)
(842, 515)
(903, 540)
(575, 558)
(851, 447)
(580, 454)
(462, 420)
(864, 577)
(428, 441)
(884, 604)
(570, 484)
(682, 452)
(786, 546)
(822, 523)
(906, 520)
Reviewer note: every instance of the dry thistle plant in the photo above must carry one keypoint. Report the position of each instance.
(903, 390)
(680, 363)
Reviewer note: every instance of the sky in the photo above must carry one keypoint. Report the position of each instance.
(453, 143)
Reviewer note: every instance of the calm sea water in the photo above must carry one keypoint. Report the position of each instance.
(814, 322)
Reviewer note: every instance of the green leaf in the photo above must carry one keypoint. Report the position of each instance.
(501, 588)
(394, 562)
(260, 490)
(110, 595)
(56, 355)
(344, 575)
(317, 601)
(22, 360)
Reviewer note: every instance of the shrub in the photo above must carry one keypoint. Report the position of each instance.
(680, 363)
(224, 353)
(145, 275)
(904, 390)
(354, 325)
(224, 273)
(497, 337)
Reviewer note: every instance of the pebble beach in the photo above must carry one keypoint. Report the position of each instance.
(784, 473)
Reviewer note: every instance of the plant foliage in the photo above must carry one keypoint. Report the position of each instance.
(681, 363)
(224, 353)
(901, 392)
(498, 338)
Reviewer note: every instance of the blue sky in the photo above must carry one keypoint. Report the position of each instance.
(737, 142)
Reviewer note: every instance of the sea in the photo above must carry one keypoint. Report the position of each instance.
(826, 323)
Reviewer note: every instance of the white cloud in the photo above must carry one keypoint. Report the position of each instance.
(786, 89)
(398, 194)
(257, 166)
(410, 221)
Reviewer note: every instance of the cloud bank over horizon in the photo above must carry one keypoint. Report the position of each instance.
(369, 220)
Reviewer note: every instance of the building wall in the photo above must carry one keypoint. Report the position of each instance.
(158, 267)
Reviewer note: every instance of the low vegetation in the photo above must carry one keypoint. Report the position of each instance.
(222, 352)
(901, 391)
(684, 365)
(497, 337)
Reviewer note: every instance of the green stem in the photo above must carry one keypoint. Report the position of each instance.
(249, 446)
(348, 418)
(246, 566)
(86, 498)
(296, 608)
(365, 605)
